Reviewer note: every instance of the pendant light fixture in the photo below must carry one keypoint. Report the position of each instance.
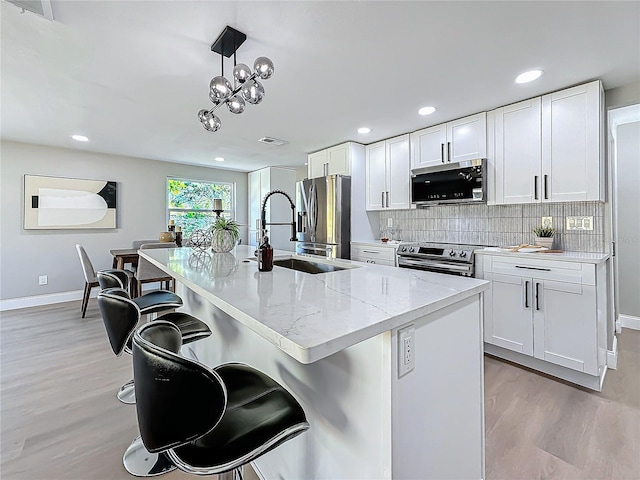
(245, 89)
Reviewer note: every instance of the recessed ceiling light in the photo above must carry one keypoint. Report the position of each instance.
(219, 159)
(529, 76)
(80, 138)
(426, 110)
(364, 130)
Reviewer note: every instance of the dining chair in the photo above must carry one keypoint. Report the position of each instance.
(149, 273)
(90, 278)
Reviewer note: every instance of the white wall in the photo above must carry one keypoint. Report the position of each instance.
(622, 96)
(26, 254)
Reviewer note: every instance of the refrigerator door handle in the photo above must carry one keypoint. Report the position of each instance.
(313, 212)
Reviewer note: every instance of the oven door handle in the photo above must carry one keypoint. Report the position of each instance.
(449, 266)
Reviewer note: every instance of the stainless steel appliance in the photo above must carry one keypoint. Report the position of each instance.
(457, 182)
(324, 216)
(438, 257)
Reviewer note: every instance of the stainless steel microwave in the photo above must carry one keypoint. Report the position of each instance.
(457, 182)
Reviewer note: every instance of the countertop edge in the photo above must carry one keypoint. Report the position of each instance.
(312, 354)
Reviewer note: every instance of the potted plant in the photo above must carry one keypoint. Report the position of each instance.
(224, 234)
(544, 236)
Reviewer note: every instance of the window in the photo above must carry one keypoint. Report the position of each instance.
(190, 203)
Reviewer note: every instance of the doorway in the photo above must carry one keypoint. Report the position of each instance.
(624, 163)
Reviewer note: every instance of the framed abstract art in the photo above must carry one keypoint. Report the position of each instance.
(53, 203)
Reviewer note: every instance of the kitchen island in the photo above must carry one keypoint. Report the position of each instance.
(386, 362)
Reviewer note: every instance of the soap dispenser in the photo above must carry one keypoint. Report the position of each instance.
(265, 255)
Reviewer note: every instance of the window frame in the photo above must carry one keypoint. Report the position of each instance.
(231, 213)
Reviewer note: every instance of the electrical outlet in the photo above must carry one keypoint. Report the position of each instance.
(389, 222)
(43, 280)
(547, 221)
(406, 350)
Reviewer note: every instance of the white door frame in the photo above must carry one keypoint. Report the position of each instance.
(616, 117)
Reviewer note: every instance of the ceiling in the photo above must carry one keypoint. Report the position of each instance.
(132, 75)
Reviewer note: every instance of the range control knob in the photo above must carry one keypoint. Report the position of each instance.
(411, 250)
(404, 249)
(462, 254)
(452, 253)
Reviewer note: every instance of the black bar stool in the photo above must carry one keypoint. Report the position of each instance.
(121, 316)
(207, 420)
(152, 302)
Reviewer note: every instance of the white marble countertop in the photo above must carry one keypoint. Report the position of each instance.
(580, 257)
(313, 316)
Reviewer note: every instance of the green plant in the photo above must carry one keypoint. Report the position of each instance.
(544, 231)
(222, 225)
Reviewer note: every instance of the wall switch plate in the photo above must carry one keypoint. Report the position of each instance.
(579, 223)
(547, 221)
(43, 280)
(406, 350)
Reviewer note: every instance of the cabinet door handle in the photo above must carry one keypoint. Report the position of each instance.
(534, 268)
(448, 151)
(546, 189)
(370, 251)
(387, 199)
(537, 295)
(382, 199)
(326, 169)
(526, 294)
(535, 187)
(442, 152)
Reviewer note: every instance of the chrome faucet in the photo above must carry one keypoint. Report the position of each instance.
(263, 215)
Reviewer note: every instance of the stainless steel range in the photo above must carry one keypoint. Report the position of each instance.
(437, 257)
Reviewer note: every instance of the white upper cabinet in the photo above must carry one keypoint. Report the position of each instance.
(376, 173)
(462, 139)
(428, 146)
(573, 143)
(387, 174)
(549, 148)
(518, 154)
(331, 161)
(316, 164)
(467, 138)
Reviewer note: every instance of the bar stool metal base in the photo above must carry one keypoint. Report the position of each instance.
(140, 462)
(127, 393)
(235, 474)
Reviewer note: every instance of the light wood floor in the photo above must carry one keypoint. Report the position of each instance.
(60, 418)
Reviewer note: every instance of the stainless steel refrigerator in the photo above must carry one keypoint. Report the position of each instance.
(324, 216)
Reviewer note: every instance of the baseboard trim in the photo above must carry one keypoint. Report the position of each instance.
(39, 300)
(628, 321)
(612, 355)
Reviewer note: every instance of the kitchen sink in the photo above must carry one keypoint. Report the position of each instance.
(307, 266)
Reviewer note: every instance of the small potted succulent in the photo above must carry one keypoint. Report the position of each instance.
(224, 235)
(544, 236)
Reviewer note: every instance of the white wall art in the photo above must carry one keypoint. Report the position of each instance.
(53, 203)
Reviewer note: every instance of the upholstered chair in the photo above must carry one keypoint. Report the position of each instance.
(149, 273)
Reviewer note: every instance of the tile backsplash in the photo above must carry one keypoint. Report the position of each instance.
(498, 225)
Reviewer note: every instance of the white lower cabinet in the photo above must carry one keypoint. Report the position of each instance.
(548, 310)
(373, 253)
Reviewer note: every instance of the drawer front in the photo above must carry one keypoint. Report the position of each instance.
(557, 270)
(377, 255)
